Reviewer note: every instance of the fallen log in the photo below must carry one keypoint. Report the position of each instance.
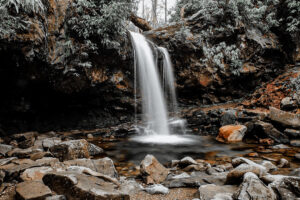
(140, 22)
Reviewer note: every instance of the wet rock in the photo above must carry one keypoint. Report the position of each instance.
(229, 117)
(287, 187)
(292, 133)
(231, 133)
(25, 140)
(270, 167)
(80, 186)
(94, 150)
(288, 103)
(22, 153)
(283, 163)
(295, 143)
(157, 189)
(253, 188)
(212, 191)
(284, 118)
(152, 171)
(35, 173)
(70, 150)
(56, 197)
(4, 148)
(105, 165)
(267, 130)
(196, 179)
(242, 166)
(47, 143)
(182, 175)
(186, 161)
(32, 190)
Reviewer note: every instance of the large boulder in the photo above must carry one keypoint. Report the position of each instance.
(284, 118)
(70, 150)
(152, 171)
(231, 133)
(77, 186)
(253, 188)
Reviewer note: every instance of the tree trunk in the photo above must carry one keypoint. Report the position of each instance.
(140, 22)
(154, 12)
(166, 11)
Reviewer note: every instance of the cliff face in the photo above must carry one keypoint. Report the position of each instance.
(264, 57)
(47, 79)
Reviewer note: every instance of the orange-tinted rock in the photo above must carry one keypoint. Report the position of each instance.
(231, 133)
(152, 171)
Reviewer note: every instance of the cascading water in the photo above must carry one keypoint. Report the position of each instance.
(169, 80)
(154, 109)
(155, 114)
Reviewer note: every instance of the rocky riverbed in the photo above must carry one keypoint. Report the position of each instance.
(74, 164)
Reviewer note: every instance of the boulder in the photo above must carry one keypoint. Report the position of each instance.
(94, 150)
(25, 140)
(105, 165)
(284, 118)
(229, 117)
(235, 176)
(231, 133)
(267, 130)
(295, 143)
(283, 163)
(157, 189)
(152, 171)
(8, 191)
(253, 188)
(4, 148)
(196, 180)
(287, 187)
(32, 190)
(70, 150)
(288, 103)
(292, 133)
(47, 143)
(22, 153)
(186, 161)
(212, 191)
(297, 156)
(270, 167)
(76, 186)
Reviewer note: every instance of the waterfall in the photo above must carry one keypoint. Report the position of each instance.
(154, 108)
(169, 80)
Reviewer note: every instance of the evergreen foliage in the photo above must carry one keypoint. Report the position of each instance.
(224, 17)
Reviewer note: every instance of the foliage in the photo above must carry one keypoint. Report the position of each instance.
(101, 19)
(35, 6)
(222, 18)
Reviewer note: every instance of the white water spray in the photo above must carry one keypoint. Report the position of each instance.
(154, 109)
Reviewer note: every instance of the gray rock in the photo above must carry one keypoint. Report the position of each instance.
(283, 163)
(187, 161)
(212, 191)
(269, 166)
(295, 143)
(152, 171)
(35, 173)
(5, 161)
(47, 143)
(94, 150)
(253, 188)
(292, 133)
(56, 197)
(105, 165)
(288, 103)
(70, 150)
(84, 186)
(287, 187)
(22, 153)
(157, 189)
(31, 190)
(265, 129)
(295, 172)
(285, 118)
(4, 148)
(229, 117)
(297, 156)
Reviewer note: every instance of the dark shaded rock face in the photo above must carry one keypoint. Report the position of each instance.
(41, 91)
(263, 58)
